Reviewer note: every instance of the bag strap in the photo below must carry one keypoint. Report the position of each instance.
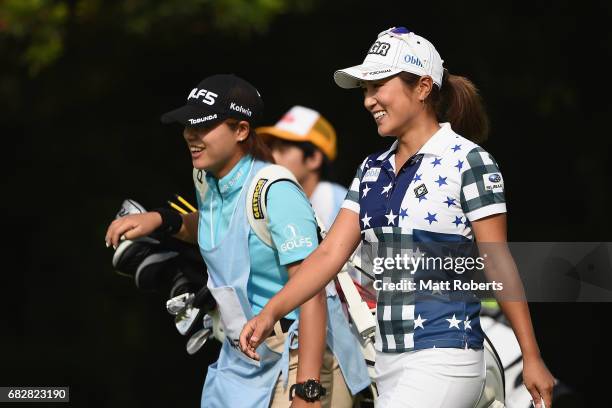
(257, 214)
(256, 198)
(199, 179)
(257, 195)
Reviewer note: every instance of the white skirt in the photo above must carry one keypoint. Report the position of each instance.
(430, 378)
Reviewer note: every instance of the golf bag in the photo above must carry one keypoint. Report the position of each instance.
(173, 267)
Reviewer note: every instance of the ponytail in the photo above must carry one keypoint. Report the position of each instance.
(459, 103)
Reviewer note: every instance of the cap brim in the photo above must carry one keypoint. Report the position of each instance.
(351, 77)
(190, 115)
(272, 131)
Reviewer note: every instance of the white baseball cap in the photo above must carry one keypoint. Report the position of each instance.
(395, 50)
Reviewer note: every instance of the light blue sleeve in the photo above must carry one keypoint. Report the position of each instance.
(291, 222)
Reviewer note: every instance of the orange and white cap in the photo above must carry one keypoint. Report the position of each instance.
(301, 124)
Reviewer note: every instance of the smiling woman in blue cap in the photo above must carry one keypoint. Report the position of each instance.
(235, 180)
(433, 184)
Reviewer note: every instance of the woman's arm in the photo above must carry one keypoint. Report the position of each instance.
(538, 380)
(189, 229)
(313, 274)
(312, 334)
(140, 225)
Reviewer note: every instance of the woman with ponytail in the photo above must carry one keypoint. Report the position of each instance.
(433, 184)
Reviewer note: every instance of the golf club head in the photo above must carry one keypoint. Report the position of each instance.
(187, 320)
(198, 339)
(129, 253)
(207, 321)
(179, 303)
(130, 207)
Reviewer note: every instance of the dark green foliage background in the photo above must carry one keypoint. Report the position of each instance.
(81, 90)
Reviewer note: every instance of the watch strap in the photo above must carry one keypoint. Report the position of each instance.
(298, 389)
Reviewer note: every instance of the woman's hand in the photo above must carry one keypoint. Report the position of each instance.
(300, 403)
(538, 380)
(132, 226)
(254, 332)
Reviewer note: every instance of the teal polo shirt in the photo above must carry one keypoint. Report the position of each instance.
(292, 226)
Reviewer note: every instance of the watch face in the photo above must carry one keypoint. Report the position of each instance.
(311, 389)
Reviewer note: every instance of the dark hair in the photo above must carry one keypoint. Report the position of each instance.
(458, 102)
(308, 150)
(253, 144)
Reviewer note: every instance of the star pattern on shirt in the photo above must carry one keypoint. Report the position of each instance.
(391, 217)
(449, 201)
(418, 253)
(454, 322)
(395, 206)
(366, 220)
(387, 188)
(366, 190)
(418, 322)
(458, 220)
(431, 217)
(441, 180)
(413, 160)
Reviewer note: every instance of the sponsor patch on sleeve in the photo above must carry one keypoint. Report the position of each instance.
(294, 239)
(493, 182)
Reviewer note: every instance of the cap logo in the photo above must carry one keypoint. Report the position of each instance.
(287, 117)
(420, 191)
(207, 96)
(240, 109)
(202, 119)
(411, 59)
(380, 48)
(382, 71)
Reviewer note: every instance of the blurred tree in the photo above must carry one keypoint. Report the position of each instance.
(38, 24)
(38, 27)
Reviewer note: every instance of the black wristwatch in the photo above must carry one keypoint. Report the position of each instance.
(309, 391)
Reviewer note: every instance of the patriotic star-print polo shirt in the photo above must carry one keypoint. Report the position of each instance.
(449, 182)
